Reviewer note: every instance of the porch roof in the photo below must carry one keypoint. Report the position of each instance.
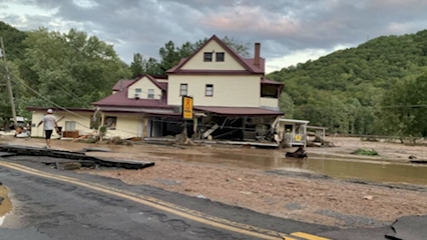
(270, 82)
(294, 121)
(239, 111)
(153, 112)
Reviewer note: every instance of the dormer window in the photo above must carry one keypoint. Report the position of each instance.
(219, 57)
(150, 93)
(207, 57)
(138, 92)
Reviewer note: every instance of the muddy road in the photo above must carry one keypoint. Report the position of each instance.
(266, 182)
(49, 204)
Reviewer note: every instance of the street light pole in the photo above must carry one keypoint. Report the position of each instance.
(9, 84)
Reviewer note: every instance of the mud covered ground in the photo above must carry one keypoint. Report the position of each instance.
(257, 179)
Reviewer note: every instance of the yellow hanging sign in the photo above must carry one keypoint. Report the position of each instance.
(187, 107)
(298, 137)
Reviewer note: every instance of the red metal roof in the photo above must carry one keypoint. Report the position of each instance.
(239, 111)
(153, 80)
(126, 83)
(121, 99)
(111, 110)
(245, 62)
(266, 81)
(60, 109)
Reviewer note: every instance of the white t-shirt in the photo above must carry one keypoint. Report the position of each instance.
(49, 122)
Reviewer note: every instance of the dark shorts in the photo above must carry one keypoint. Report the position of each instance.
(48, 133)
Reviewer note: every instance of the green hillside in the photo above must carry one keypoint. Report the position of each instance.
(344, 90)
(13, 40)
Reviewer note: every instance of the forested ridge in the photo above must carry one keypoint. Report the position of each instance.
(349, 91)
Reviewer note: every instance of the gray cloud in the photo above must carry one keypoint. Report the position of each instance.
(282, 26)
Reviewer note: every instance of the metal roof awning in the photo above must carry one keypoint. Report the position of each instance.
(239, 111)
(294, 121)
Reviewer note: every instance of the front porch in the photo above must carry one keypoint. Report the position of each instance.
(294, 132)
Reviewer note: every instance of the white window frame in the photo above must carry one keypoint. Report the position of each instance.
(209, 88)
(183, 92)
(150, 93)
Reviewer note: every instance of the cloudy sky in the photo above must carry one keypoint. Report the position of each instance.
(290, 31)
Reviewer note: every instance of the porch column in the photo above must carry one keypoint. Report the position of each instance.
(195, 133)
(144, 127)
(305, 135)
(101, 125)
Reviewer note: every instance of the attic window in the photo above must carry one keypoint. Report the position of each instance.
(207, 57)
(138, 91)
(150, 93)
(219, 57)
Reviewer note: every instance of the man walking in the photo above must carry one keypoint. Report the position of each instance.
(49, 123)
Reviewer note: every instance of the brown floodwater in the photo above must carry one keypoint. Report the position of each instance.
(343, 167)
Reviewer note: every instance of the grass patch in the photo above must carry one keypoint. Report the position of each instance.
(365, 152)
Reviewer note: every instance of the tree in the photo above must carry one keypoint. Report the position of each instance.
(72, 69)
(169, 55)
(13, 41)
(152, 67)
(404, 111)
(141, 66)
(19, 93)
(286, 105)
(136, 66)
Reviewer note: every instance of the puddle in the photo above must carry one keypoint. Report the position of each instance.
(368, 169)
(6, 204)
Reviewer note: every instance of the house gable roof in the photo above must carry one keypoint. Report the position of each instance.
(246, 63)
(125, 83)
(153, 80)
(120, 98)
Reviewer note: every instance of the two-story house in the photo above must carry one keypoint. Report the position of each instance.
(231, 97)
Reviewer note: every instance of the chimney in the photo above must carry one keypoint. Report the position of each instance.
(121, 85)
(257, 57)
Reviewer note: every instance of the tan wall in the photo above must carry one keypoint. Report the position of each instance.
(126, 126)
(82, 122)
(145, 84)
(197, 61)
(242, 91)
(269, 102)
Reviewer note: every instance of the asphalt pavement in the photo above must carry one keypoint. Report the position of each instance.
(46, 208)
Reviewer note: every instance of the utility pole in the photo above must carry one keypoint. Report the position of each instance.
(9, 84)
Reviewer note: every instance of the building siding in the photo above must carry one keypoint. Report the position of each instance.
(197, 61)
(144, 84)
(126, 125)
(269, 102)
(228, 91)
(82, 122)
